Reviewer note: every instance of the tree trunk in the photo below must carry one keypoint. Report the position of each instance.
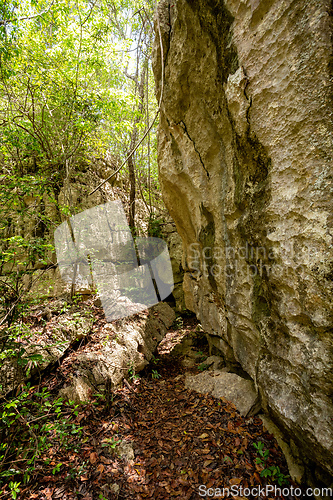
(131, 170)
(131, 162)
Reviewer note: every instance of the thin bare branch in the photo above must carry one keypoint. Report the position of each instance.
(3, 22)
(153, 122)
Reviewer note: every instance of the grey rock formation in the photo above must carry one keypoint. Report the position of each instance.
(245, 158)
(214, 362)
(229, 386)
(64, 331)
(130, 352)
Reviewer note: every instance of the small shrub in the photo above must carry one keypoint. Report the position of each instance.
(155, 226)
(273, 471)
(30, 423)
(155, 375)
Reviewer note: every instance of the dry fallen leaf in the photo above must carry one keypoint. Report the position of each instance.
(100, 468)
(93, 457)
(48, 493)
(203, 436)
(235, 480)
(207, 462)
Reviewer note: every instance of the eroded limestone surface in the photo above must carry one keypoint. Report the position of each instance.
(245, 158)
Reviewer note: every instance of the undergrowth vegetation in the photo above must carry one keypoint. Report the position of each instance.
(32, 423)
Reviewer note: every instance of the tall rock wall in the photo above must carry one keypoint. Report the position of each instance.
(245, 157)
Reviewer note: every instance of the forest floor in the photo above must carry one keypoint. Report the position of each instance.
(150, 439)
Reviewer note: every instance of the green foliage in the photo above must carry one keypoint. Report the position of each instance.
(65, 100)
(64, 96)
(111, 443)
(264, 454)
(22, 207)
(154, 226)
(275, 474)
(30, 424)
(56, 469)
(155, 375)
(273, 471)
(58, 90)
(202, 367)
(131, 373)
(14, 489)
(154, 360)
(178, 323)
(12, 345)
(68, 95)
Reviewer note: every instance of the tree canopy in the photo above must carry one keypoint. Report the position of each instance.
(76, 87)
(64, 94)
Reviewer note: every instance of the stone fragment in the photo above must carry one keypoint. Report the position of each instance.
(125, 451)
(214, 362)
(230, 386)
(203, 383)
(80, 391)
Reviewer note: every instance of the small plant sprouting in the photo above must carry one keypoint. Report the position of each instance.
(264, 454)
(131, 373)
(154, 359)
(14, 489)
(272, 471)
(106, 340)
(202, 367)
(111, 443)
(155, 375)
(56, 469)
(35, 419)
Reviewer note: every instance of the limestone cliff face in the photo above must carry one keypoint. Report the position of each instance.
(245, 156)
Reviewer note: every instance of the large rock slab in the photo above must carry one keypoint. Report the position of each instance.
(229, 386)
(44, 349)
(130, 349)
(245, 158)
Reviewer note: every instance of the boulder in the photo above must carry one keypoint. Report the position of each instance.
(128, 346)
(229, 386)
(63, 331)
(214, 362)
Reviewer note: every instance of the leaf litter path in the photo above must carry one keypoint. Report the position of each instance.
(155, 439)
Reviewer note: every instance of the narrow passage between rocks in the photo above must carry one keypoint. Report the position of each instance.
(153, 438)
